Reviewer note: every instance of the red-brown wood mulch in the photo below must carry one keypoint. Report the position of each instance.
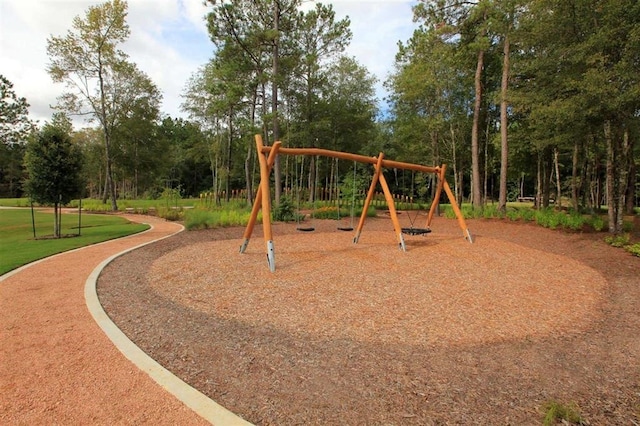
(446, 333)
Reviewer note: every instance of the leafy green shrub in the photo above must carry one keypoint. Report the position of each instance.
(491, 212)
(528, 214)
(627, 226)
(634, 249)
(596, 222)
(204, 219)
(548, 218)
(95, 206)
(618, 240)
(170, 213)
(574, 220)
(326, 213)
(555, 411)
(285, 211)
(514, 214)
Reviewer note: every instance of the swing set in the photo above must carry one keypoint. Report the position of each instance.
(267, 156)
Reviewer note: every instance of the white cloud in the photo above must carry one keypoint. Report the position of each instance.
(169, 41)
(377, 27)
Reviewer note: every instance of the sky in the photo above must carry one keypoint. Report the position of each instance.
(169, 42)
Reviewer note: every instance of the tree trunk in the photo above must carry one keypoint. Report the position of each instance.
(631, 181)
(558, 183)
(56, 223)
(504, 144)
(539, 173)
(616, 178)
(574, 176)
(274, 101)
(475, 152)
(228, 159)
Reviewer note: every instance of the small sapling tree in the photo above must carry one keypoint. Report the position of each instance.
(53, 166)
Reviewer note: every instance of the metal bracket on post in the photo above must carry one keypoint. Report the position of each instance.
(356, 238)
(469, 237)
(401, 245)
(244, 245)
(271, 256)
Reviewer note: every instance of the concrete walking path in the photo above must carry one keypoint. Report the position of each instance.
(57, 366)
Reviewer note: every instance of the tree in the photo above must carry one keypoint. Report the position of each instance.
(466, 21)
(102, 84)
(15, 127)
(54, 167)
(14, 115)
(263, 31)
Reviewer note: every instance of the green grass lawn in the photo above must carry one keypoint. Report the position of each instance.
(18, 247)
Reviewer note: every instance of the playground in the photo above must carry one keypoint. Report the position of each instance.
(343, 333)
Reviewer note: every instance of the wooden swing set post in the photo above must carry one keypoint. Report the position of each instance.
(367, 201)
(266, 204)
(436, 198)
(454, 204)
(267, 155)
(257, 203)
(392, 211)
(443, 184)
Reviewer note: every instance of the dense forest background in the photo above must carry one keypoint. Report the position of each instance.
(520, 98)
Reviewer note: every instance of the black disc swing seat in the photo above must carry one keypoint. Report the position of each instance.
(416, 231)
(412, 230)
(305, 228)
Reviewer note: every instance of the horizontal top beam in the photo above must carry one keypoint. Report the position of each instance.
(390, 164)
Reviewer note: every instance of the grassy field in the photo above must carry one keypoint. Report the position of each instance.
(18, 246)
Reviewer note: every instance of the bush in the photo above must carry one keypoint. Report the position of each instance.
(326, 213)
(618, 240)
(548, 218)
(574, 220)
(634, 249)
(285, 211)
(596, 222)
(204, 219)
(555, 411)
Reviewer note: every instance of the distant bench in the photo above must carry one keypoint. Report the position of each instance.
(526, 199)
(533, 200)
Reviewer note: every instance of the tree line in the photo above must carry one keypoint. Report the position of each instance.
(535, 98)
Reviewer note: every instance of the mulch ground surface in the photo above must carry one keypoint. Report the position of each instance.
(446, 333)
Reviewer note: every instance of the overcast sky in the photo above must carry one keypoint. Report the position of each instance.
(169, 42)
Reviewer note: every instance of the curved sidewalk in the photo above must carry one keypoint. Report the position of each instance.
(57, 366)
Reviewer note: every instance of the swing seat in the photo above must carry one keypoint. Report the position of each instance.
(345, 228)
(416, 231)
(305, 229)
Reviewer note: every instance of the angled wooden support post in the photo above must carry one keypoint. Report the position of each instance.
(436, 198)
(443, 184)
(392, 212)
(266, 206)
(257, 203)
(454, 204)
(367, 202)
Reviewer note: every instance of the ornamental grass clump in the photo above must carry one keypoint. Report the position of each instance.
(556, 411)
(205, 219)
